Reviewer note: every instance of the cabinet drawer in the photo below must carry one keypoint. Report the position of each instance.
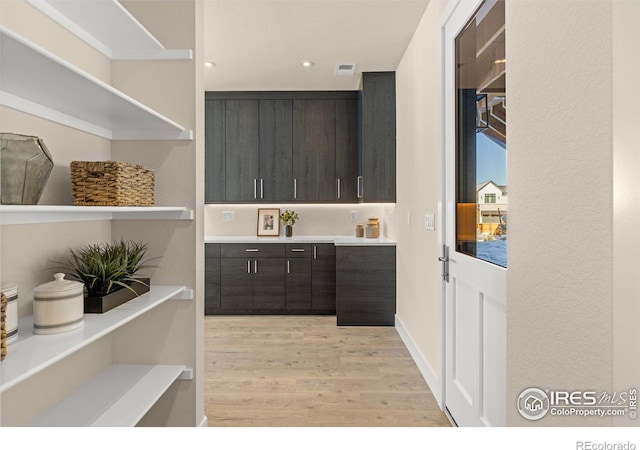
(323, 250)
(299, 250)
(212, 250)
(252, 250)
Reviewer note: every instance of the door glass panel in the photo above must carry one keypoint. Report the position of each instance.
(481, 136)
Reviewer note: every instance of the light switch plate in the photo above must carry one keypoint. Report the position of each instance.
(430, 222)
(228, 216)
(354, 215)
(409, 219)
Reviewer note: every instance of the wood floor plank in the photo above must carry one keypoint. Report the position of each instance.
(296, 371)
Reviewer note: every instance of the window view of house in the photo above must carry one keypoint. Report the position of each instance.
(481, 136)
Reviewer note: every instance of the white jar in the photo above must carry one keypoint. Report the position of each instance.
(11, 292)
(58, 306)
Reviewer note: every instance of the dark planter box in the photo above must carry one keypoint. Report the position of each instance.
(116, 298)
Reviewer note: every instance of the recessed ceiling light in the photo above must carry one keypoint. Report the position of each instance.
(209, 64)
(307, 63)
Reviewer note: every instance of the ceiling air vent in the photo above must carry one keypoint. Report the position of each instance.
(345, 69)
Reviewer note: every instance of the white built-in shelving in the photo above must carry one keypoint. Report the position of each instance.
(117, 397)
(107, 26)
(23, 214)
(37, 82)
(32, 353)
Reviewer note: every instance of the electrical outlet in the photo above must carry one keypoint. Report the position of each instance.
(430, 222)
(228, 216)
(354, 215)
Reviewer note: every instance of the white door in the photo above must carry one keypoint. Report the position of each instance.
(474, 297)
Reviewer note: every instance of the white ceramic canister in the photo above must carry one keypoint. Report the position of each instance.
(58, 306)
(11, 292)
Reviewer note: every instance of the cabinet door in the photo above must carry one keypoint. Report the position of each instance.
(276, 146)
(214, 135)
(298, 283)
(323, 278)
(212, 278)
(378, 150)
(347, 150)
(314, 155)
(236, 281)
(366, 285)
(241, 150)
(268, 283)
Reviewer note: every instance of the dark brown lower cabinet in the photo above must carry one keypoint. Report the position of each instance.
(366, 285)
(252, 284)
(323, 278)
(212, 278)
(298, 283)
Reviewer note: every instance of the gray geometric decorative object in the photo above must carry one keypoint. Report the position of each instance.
(26, 166)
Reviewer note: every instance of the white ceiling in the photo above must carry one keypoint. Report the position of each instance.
(260, 44)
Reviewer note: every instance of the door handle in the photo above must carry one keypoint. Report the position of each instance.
(315, 252)
(339, 193)
(255, 188)
(248, 266)
(288, 266)
(255, 266)
(297, 250)
(444, 259)
(261, 187)
(252, 250)
(295, 188)
(360, 187)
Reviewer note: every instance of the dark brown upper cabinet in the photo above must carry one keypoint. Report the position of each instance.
(377, 153)
(281, 147)
(314, 159)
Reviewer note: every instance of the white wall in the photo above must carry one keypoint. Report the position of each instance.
(418, 103)
(315, 219)
(559, 280)
(626, 193)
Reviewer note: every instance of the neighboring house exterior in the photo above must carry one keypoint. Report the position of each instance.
(492, 204)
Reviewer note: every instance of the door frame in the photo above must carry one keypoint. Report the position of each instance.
(456, 14)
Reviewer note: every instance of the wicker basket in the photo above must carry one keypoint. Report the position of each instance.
(111, 183)
(3, 327)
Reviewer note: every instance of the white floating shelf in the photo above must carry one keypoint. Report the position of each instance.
(107, 26)
(23, 214)
(32, 353)
(117, 397)
(37, 82)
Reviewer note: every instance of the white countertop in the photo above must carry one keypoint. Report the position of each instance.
(345, 241)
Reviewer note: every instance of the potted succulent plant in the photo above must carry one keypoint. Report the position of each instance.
(109, 273)
(288, 218)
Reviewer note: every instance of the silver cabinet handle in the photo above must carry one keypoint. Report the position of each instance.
(252, 250)
(297, 250)
(315, 252)
(295, 188)
(360, 187)
(255, 188)
(261, 187)
(255, 266)
(288, 266)
(339, 189)
(248, 266)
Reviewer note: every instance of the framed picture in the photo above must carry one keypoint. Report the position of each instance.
(268, 222)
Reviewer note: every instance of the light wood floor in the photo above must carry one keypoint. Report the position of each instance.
(288, 371)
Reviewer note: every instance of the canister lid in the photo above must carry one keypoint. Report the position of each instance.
(58, 285)
(9, 289)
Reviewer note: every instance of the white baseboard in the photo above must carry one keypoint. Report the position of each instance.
(205, 422)
(425, 369)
